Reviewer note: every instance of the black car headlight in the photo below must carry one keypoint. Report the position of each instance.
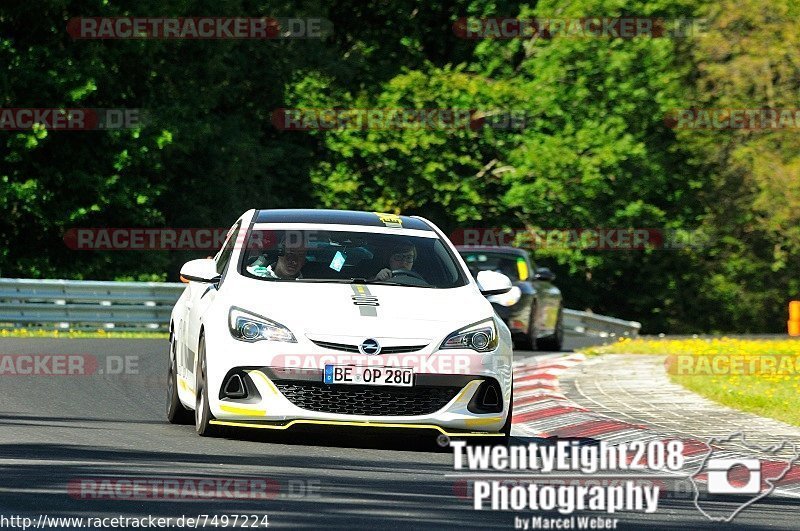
(246, 326)
(481, 337)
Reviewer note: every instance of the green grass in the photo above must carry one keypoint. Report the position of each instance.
(81, 334)
(770, 391)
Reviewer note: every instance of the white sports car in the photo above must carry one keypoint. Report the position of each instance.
(339, 318)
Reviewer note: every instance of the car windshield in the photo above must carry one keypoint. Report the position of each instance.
(511, 265)
(350, 256)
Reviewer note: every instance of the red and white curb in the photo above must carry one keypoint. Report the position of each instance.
(542, 410)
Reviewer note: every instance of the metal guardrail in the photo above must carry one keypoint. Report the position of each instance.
(591, 324)
(84, 304)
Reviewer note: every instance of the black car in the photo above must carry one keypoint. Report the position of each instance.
(533, 308)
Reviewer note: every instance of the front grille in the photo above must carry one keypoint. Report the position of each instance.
(402, 350)
(384, 350)
(367, 400)
(337, 346)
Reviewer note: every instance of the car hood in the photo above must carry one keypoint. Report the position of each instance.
(326, 311)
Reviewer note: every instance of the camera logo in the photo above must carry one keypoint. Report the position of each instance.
(748, 478)
(721, 476)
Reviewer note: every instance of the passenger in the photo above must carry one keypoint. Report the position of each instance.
(291, 259)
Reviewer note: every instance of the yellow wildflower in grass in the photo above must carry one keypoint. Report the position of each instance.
(82, 334)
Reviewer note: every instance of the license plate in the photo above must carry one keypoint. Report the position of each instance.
(355, 375)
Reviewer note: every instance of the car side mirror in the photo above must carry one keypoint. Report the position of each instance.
(201, 270)
(544, 274)
(493, 283)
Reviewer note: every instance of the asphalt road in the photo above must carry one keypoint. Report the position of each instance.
(55, 430)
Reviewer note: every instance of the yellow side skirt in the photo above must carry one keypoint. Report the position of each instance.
(291, 423)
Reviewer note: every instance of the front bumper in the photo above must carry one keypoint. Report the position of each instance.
(270, 366)
(279, 398)
(361, 424)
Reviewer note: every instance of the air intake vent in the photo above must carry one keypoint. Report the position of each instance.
(367, 400)
(235, 387)
(488, 398)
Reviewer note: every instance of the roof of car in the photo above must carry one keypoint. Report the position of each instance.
(492, 249)
(339, 217)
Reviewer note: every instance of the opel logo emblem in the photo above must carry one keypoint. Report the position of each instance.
(370, 347)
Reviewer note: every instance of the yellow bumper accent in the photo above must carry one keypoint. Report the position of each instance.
(468, 389)
(291, 423)
(267, 381)
(242, 410)
(185, 386)
(364, 424)
(482, 422)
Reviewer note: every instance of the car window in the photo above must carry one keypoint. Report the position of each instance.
(227, 249)
(351, 256)
(511, 265)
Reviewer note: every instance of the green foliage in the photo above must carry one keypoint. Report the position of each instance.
(595, 150)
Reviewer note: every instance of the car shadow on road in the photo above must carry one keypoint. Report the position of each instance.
(348, 492)
(392, 439)
(359, 492)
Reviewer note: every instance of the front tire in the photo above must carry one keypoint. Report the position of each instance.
(555, 342)
(202, 411)
(528, 341)
(506, 429)
(176, 412)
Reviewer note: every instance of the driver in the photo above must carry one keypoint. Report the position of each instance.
(402, 257)
(288, 265)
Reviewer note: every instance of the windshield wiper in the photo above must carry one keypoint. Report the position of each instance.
(387, 283)
(365, 281)
(324, 280)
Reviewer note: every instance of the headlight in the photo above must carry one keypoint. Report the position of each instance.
(509, 298)
(246, 326)
(481, 336)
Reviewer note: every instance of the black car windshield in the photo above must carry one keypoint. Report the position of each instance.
(350, 257)
(511, 265)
